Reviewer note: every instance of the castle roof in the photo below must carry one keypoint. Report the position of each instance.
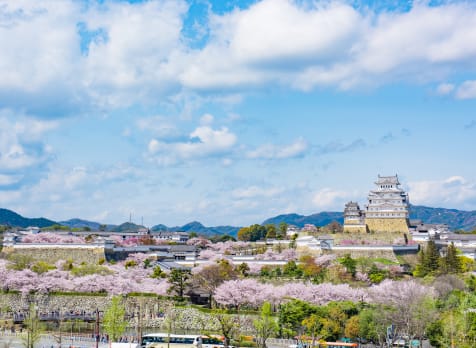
(387, 180)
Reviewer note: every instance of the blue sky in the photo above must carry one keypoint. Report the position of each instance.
(230, 112)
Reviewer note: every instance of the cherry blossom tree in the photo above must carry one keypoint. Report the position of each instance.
(51, 238)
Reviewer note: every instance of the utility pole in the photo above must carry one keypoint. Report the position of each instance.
(96, 329)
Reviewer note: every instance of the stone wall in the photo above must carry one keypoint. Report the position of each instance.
(386, 254)
(53, 254)
(387, 225)
(156, 313)
(355, 228)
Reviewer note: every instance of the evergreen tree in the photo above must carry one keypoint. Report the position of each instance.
(432, 258)
(451, 263)
(179, 280)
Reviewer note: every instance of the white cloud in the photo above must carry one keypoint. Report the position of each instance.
(331, 199)
(452, 192)
(467, 90)
(6, 180)
(206, 120)
(255, 191)
(445, 88)
(157, 125)
(21, 143)
(271, 151)
(140, 54)
(304, 45)
(204, 141)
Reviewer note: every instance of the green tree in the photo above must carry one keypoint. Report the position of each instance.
(265, 326)
(313, 325)
(229, 325)
(19, 262)
(270, 231)
(282, 229)
(41, 267)
(291, 269)
(451, 262)
(244, 234)
(114, 323)
(243, 269)
(158, 273)
(349, 263)
(291, 314)
(179, 280)
(34, 327)
(428, 261)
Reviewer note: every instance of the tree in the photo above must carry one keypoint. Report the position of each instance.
(291, 316)
(209, 277)
(309, 268)
(428, 261)
(33, 327)
(334, 227)
(243, 269)
(270, 231)
(352, 327)
(158, 273)
(114, 323)
(349, 263)
(313, 325)
(451, 262)
(244, 234)
(179, 280)
(265, 326)
(229, 325)
(282, 230)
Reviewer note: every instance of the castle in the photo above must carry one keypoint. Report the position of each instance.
(387, 209)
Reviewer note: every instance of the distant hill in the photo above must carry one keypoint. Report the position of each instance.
(455, 219)
(79, 223)
(126, 227)
(10, 218)
(199, 228)
(319, 219)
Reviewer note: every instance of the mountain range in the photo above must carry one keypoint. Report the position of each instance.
(455, 219)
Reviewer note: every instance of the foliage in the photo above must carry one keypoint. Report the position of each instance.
(89, 269)
(130, 263)
(349, 263)
(19, 262)
(265, 326)
(430, 262)
(252, 233)
(229, 325)
(34, 327)
(114, 323)
(179, 280)
(158, 273)
(42, 267)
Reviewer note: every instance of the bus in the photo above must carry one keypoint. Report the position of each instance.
(165, 340)
(213, 342)
(319, 344)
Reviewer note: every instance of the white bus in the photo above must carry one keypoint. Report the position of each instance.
(165, 340)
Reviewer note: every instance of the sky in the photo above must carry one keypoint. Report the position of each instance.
(229, 112)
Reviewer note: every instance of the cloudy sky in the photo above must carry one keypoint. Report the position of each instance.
(233, 111)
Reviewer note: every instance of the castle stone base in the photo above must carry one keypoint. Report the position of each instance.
(353, 228)
(387, 225)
